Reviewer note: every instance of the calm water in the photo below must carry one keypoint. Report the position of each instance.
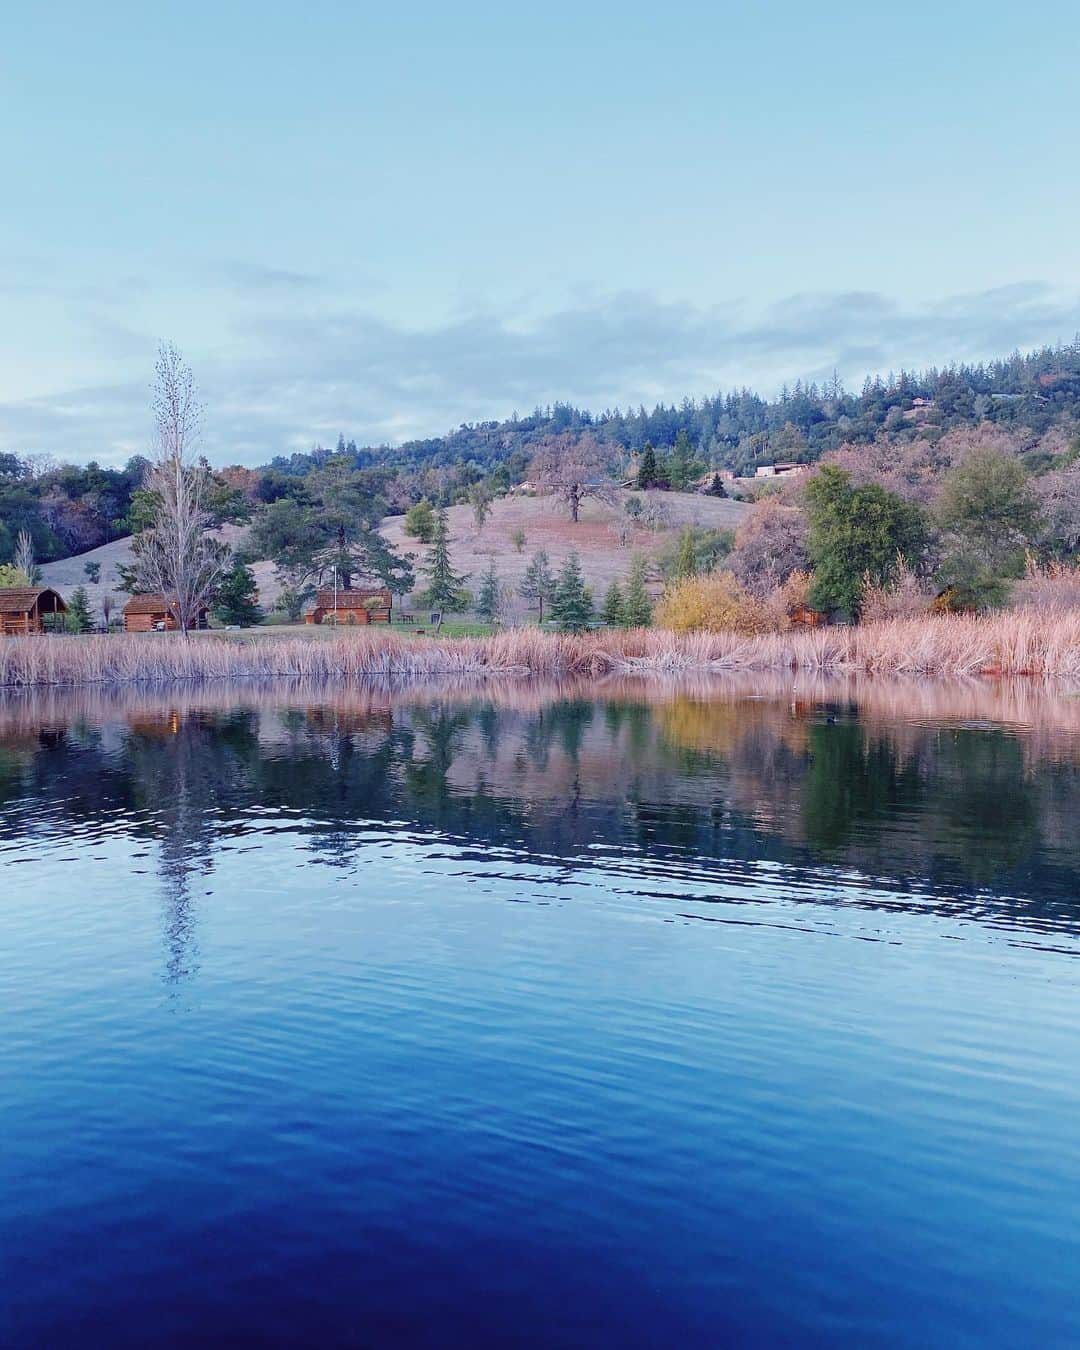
(595, 1015)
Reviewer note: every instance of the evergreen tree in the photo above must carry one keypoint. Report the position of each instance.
(235, 601)
(857, 534)
(612, 612)
(571, 605)
(488, 601)
(637, 607)
(92, 572)
(444, 584)
(78, 619)
(537, 585)
(681, 465)
(648, 469)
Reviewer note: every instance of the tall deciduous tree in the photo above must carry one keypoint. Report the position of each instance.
(24, 558)
(571, 468)
(175, 557)
(990, 517)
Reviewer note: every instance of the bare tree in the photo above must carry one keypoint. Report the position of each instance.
(108, 604)
(572, 468)
(769, 547)
(24, 557)
(175, 557)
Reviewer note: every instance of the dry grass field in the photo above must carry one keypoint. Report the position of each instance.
(603, 555)
(597, 536)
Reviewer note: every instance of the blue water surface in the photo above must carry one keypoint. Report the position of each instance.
(441, 1018)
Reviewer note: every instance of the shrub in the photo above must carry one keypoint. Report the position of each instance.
(714, 603)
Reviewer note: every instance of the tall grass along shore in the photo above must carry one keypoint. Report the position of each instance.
(1013, 643)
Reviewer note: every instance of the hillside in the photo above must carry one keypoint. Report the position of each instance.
(603, 555)
(67, 573)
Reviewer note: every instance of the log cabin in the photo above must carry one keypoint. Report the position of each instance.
(154, 614)
(22, 608)
(351, 607)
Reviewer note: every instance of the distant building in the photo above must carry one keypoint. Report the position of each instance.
(155, 614)
(351, 607)
(780, 470)
(23, 608)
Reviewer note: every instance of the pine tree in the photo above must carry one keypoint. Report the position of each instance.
(613, 613)
(637, 607)
(537, 585)
(236, 599)
(571, 606)
(78, 618)
(488, 601)
(648, 470)
(444, 584)
(681, 465)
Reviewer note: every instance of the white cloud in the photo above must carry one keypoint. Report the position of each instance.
(296, 374)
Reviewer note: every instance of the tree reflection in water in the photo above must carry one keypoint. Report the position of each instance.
(951, 789)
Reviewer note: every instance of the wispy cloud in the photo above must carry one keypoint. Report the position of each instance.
(296, 375)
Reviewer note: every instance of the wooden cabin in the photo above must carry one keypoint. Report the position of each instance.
(805, 617)
(351, 607)
(155, 614)
(22, 608)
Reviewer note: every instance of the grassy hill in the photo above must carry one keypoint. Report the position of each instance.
(595, 538)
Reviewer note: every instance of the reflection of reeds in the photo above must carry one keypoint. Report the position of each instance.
(1044, 712)
(1017, 642)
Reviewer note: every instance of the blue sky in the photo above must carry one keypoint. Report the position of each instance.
(386, 224)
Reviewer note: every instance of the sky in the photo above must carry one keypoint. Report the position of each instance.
(388, 223)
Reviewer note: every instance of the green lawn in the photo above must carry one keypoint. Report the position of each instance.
(320, 632)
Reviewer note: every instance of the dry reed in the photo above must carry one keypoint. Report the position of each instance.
(1013, 642)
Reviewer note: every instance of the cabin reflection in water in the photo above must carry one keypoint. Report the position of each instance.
(939, 793)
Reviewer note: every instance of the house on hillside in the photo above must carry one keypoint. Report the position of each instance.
(351, 607)
(155, 614)
(23, 608)
(780, 470)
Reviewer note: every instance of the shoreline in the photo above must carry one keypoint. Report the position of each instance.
(1011, 644)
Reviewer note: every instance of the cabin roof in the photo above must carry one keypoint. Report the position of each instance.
(353, 599)
(22, 599)
(147, 604)
(150, 604)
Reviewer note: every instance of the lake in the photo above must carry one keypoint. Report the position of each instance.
(726, 1012)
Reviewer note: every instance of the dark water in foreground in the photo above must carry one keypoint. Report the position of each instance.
(584, 1016)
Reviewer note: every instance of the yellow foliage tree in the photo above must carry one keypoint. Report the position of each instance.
(718, 603)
